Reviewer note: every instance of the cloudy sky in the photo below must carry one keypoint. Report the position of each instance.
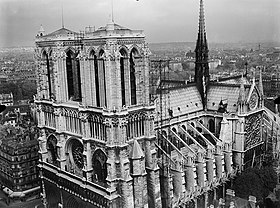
(162, 20)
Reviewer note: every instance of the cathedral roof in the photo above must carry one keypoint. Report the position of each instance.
(112, 26)
(227, 93)
(60, 32)
(233, 80)
(181, 101)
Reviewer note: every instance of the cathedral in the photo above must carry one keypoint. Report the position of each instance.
(104, 143)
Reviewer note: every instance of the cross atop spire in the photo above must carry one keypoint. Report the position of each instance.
(201, 19)
(62, 15)
(201, 39)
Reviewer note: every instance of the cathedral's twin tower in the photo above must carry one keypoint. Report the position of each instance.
(97, 143)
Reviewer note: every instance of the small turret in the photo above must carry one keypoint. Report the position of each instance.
(41, 31)
(261, 89)
(241, 98)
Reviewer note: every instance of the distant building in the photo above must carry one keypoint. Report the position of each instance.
(175, 65)
(271, 85)
(19, 158)
(214, 63)
(274, 56)
(6, 99)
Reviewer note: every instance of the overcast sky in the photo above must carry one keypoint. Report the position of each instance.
(161, 20)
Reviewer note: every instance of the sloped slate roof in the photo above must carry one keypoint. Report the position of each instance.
(227, 93)
(115, 26)
(234, 80)
(61, 32)
(181, 101)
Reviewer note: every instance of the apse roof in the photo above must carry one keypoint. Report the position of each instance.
(113, 26)
(60, 32)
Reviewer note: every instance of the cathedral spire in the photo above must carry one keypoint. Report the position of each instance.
(261, 82)
(201, 55)
(201, 24)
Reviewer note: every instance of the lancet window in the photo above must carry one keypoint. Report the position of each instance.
(47, 62)
(73, 76)
(132, 76)
(100, 80)
(123, 67)
(52, 150)
(99, 166)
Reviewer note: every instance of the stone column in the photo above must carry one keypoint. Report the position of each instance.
(209, 165)
(227, 156)
(146, 54)
(61, 151)
(43, 145)
(177, 182)
(218, 161)
(200, 169)
(189, 173)
(84, 76)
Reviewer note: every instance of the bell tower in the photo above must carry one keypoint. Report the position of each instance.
(96, 121)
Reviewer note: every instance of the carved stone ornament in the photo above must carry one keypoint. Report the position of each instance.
(59, 44)
(39, 108)
(57, 111)
(115, 121)
(83, 117)
(123, 122)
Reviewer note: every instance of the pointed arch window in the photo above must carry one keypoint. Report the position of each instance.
(132, 76)
(48, 73)
(122, 71)
(100, 80)
(94, 66)
(99, 166)
(52, 150)
(73, 76)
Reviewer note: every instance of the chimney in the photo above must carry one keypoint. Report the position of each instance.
(252, 201)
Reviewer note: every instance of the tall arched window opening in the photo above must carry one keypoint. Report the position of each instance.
(99, 166)
(47, 62)
(122, 70)
(73, 76)
(100, 80)
(52, 150)
(94, 68)
(132, 77)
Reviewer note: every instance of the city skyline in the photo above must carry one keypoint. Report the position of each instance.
(227, 20)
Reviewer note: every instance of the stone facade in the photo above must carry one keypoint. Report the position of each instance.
(93, 109)
(103, 144)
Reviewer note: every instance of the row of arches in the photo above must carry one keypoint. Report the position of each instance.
(73, 75)
(98, 72)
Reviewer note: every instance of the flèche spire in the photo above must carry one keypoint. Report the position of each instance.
(202, 76)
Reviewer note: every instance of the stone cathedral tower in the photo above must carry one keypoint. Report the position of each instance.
(97, 135)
